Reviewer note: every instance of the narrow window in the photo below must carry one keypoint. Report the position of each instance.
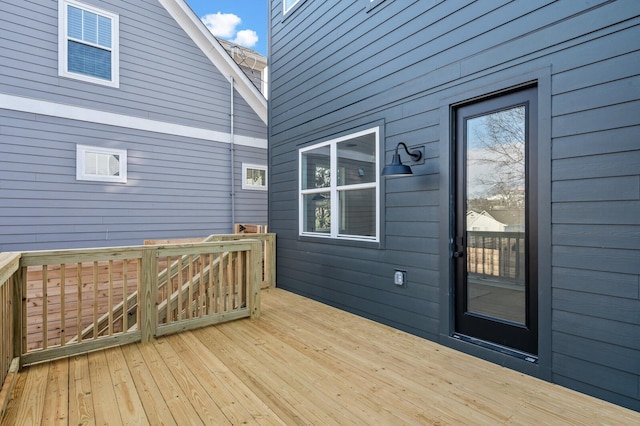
(88, 44)
(288, 4)
(339, 188)
(101, 164)
(254, 177)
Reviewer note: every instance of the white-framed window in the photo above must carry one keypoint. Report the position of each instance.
(339, 194)
(287, 5)
(370, 4)
(254, 177)
(88, 43)
(101, 164)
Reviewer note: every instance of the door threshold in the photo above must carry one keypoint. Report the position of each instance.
(495, 347)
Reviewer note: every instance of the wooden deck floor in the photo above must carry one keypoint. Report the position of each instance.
(300, 363)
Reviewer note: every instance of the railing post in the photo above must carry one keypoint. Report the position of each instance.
(270, 260)
(149, 294)
(255, 278)
(19, 324)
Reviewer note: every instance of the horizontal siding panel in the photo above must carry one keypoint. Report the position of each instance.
(602, 189)
(595, 120)
(609, 69)
(608, 378)
(599, 236)
(598, 329)
(597, 305)
(597, 259)
(596, 166)
(598, 213)
(623, 359)
(629, 402)
(598, 282)
(598, 96)
(176, 186)
(601, 142)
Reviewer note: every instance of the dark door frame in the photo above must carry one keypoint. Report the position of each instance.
(467, 325)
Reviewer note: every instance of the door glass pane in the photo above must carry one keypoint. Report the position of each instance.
(495, 215)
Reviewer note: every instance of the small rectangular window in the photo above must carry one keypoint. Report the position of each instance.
(288, 4)
(88, 43)
(254, 177)
(101, 164)
(339, 188)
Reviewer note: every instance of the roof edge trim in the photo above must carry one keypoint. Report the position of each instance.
(212, 48)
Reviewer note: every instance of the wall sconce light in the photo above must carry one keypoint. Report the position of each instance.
(396, 168)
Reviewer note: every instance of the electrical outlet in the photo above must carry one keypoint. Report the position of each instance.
(400, 278)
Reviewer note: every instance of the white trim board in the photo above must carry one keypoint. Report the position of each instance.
(53, 109)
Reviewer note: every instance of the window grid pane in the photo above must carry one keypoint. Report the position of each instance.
(339, 188)
(89, 60)
(74, 26)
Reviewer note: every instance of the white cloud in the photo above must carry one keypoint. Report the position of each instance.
(247, 38)
(224, 25)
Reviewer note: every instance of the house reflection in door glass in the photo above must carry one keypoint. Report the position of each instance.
(495, 215)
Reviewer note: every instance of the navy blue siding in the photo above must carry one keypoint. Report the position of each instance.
(341, 66)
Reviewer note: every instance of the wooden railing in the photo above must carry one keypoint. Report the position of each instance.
(75, 301)
(267, 240)
(496, 255)
(9, 361)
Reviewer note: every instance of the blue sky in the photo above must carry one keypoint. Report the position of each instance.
(241, 21)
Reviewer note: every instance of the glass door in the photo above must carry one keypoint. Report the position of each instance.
(494, 248)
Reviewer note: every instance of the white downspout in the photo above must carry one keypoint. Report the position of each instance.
(232, 148)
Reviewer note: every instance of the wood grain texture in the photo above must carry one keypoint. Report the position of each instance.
(302, 362)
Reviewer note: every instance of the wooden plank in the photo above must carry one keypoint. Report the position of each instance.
(274, 390)
(57, 257)
(254, 274)
(62, 304)
(8, 385)
(148, 295)
(156, 408)
(233, 395)
(106, 407)
(128, 400)
(55, 410)
(206, 406)
(192, 324)
(9, 416)
(175, 398)
(307, 363)
(80, 348)
(9, 264)
(29, 410)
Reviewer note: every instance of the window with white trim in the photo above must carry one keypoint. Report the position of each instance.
(88, 43)
(101, 164)
(339, 188)
(254, 177)
(287, 5)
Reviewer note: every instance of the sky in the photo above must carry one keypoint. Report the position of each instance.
(243, 22)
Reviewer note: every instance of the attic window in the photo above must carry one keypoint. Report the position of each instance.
(88, 43)
(287, 5)
(101, 164)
